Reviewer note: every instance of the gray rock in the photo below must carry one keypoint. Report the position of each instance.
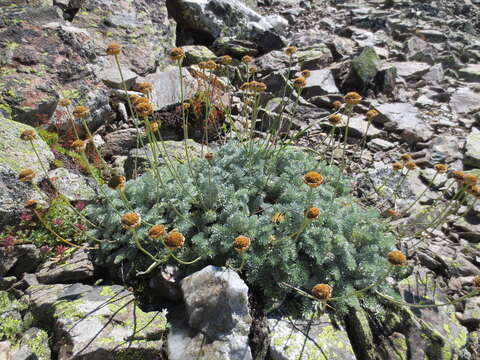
(75, 268)
(111, 77)
(72, 186)
(120, 142)
(417, 49)
(364, 68)
(411, 69)
(404, 118)
(234, 47)
(471, 313)
(468, 228)
(140, 159)
(465, 101)
(19, 260)
(98, 102)
(195, 53)
(316, 58)
(33, 345)
(380, 144)
(16, 154)
(320, 82)
(434, 75)
(217, 315)
(5, 351)
(97, 322)
(430, 176)
(471, 73)
(357, 127)
(271, 61)
(444, 149)
(472, 150)
(324, 341)
(434, 36)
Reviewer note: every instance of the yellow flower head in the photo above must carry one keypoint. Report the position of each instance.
(291, 50)
(117, 182)
(397, 166)
(322, 291)
(306, 74)
(441, 168)
(299, 82)
(226, 59)
(278, 217)
(476, 281)
(397, 258)
(312, 213)
(78, 145)
(144, 109)
(64, 102)
(335, 119)
(313, 179)
(411, 165)
(156, 231)
(470, 180)
(28, 135)
(144, 87)
(241, 243)
(31, 204)
(26, 175)
(406, 157)
(131, 220)
(392, 213)
(174, 240)
(177, 54)
(352, 98)
(372, 114)
(247, 59)
(458, 175)
(154, 126)
(80, 112)
(337, 104)
(114, 49)
(209, 156)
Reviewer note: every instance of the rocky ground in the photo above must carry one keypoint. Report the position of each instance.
(417, 63)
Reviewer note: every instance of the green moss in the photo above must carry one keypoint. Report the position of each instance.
(68, 309)
(107, 291)
(39, 346)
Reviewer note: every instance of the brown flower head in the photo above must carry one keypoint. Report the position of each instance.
(28, 135)
(306, 73)
(64, 102)
(144, 109)
(131, 220)
(226, 59)
(139, 100)
(258, 86)
(207, 65)
(397, 258)
(335, 119)
(312, 213)
(144, 87)
(117, 182)
(186, 105)
(154, 126)
(441, 168)
(397, 166)
(473, 190)
(247, 59)
(209, 156)
(174, 240)
(156, 231)
(411, 165)
(252, 69)
(114, 49)
(241, 243)
(352, 98)
(337, 104)
(26, 175)
(392, 213)
(458, 175)
(299, 82)
(290, 50)
(406, 157)
(470, 180)
(278, 217)
(476, 281)
(177, 54)
(31, 204)
(372, 114)
(78, 145)
(322, 291)
(80, 112)
(313, 179)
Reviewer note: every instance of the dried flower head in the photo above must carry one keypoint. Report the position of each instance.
(144, 87)
(64, 102)
(31, 204)
(144, 109)
(473, 190)
(252, 69)
(372, 114)
(156, 231)
(226, 59)
(290, 50)
(352, 98)
(209, 156)
(114, 49)
(441, 168)
(26, 175)
(322, 291)
(313, 179)
(337, 104)
(476, 281)
(78, 145)
(306, 73)
(207, 65)
(411, 165)
(174, 240)
(458, 175)
(247, 59)
(254, 86)
(241, 243)
(28, 135)
(397, 166)
(278, 217)
(131, 220)
(177, 54)
(299, 82)
(186, 105)
(117, 182)
(397, 258)
(137, 100)
(406, 157)
(470, 180)
(312, 213)
(335, 119)
(154, 126)
(392, 213)
(80, 112)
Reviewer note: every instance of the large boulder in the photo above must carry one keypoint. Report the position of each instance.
(72, 186)
(472, 147)
(208, 20)
(77, 267)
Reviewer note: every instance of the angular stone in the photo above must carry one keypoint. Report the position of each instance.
(33, 345)
(72, 186)
(465, 101)
(435, 75)
(366, 66)
(97, 322)
(75, 268)
(195, 53)
(111, 77)
(315, 58)
(471, 73)
(380, 144)
(411, 69)
(419, 50)
(22, 259)
(320, 82)
(121, 141)
(471, 313)
(434, 36)
(324, 341)
(472, 150)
